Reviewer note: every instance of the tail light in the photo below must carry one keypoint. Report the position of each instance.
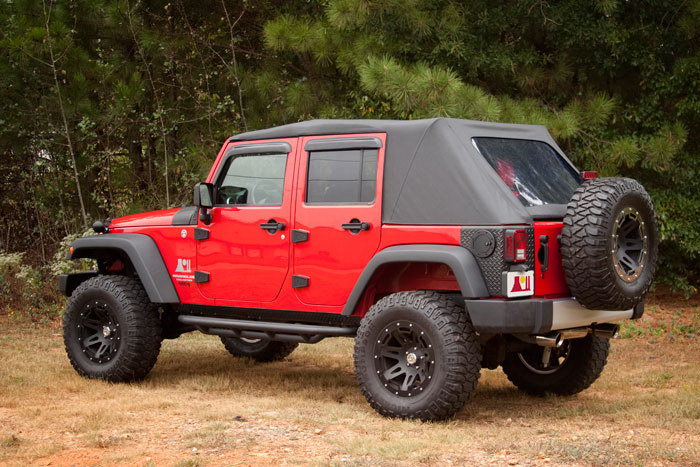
(515, 246)
(589, 175)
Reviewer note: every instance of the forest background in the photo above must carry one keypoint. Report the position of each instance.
(114, 107)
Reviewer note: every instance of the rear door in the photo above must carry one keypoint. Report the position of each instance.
(243, 254)
(338, 216)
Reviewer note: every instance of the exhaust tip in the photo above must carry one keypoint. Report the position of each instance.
(606, 331)
(550, 340)
(558, 340)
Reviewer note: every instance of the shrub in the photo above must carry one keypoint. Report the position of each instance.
(32, 291)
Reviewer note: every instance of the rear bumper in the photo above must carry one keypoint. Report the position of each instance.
(536, 316)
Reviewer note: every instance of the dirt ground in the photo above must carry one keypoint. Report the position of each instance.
(200, 406)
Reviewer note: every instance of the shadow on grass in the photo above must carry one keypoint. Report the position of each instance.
(317, 377)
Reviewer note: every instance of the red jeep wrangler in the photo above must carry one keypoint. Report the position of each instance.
(443, 246)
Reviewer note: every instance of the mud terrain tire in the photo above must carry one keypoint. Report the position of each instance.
(609, 243)
(111, 330)
(261, 351)
(584, 364)
(416, 356)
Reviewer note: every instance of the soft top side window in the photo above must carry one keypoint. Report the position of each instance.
(342, 176)
(252, 179)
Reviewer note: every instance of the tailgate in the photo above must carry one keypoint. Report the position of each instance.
(549, 274)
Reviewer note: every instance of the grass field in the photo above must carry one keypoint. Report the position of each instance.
(200, 406)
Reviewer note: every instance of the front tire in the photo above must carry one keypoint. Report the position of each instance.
(111, 330)
(258, 349)
(569, 370)
(416, 356)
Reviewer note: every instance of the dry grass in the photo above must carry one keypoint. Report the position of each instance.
(200, 406)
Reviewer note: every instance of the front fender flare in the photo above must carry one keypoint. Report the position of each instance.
(143, 253)
(460, 260)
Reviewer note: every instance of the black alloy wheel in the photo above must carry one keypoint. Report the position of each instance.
(630, 244)
(99, 331)
(404, 358)
(111, 330)
(417, 356)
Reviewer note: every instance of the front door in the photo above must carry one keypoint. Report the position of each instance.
(338, 214)
(246, 254)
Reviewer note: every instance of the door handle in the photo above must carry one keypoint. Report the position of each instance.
(273, 226)
(355, 226)
(543, 254)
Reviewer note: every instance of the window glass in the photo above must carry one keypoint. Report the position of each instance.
(347, 176)
(533, 170)
(252, 180)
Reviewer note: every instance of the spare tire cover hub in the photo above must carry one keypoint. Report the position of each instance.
(629, 237)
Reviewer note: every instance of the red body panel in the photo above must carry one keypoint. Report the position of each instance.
(146, 219)
(333, 258)
(174, 248)
(551, 283)
(242, 259)
(249, 267)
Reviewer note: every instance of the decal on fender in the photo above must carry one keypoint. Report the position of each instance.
(183, 270)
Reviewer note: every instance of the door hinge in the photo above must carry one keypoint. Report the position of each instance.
(299, 236)
(201, 276)
(201, 234)
(299, 281)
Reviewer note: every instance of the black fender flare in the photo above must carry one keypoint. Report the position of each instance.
(144, 255)
(460, 260)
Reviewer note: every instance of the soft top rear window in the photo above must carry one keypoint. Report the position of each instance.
(533, 170)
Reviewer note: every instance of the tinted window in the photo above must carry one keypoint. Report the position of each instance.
(252, 180)
(347, 177)
(533, 170)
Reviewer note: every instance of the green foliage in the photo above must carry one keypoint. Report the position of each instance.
(62, 265)
(149, 84)
(23, 289)
(29, 290)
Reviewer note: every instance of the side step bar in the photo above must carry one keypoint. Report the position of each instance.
(285, 332)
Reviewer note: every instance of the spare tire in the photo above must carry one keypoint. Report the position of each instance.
(609, 243)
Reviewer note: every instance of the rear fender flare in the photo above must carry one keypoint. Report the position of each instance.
(460, 260)
(144, 255)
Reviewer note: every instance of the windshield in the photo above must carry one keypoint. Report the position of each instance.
(533, 170)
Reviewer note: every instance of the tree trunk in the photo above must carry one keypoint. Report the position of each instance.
(47, 17)
(159, 108)
(231, 26)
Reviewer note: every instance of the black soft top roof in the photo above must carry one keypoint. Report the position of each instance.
(433, 173)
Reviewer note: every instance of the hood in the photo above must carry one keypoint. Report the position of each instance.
(145, 219)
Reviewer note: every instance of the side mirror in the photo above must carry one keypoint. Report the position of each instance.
(203, 199)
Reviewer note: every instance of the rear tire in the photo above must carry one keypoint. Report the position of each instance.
(111, 330)
(565, 375)
(416, 356)
(609, 243)
(258, 349)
